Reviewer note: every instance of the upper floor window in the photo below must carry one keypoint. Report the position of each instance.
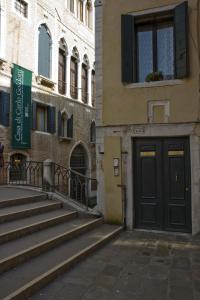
(80, 10)
(93, 132)
(44, 51)
(71, 6)
(74, 74)
(93, 88)
(155, 51)
(4, 108)
(155, 46)
(62, 67)
(65, 125)
(84, 82)
(89, 14)
(43, 117)
(22, 8)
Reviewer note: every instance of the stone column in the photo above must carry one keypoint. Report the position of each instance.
(48, 175)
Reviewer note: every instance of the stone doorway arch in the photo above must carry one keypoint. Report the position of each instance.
(79, 163)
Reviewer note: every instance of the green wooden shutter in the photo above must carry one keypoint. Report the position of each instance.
(128, 49)
(4, 108)
(70, 127)
(44, 52)
(59, 123)
(51, 126)
(34, 115)
(181, 40)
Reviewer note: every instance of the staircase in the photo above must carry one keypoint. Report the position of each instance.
(40, 239)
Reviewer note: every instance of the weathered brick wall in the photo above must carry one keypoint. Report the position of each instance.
(21, 44)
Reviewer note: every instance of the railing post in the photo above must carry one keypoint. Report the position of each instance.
(48, 175)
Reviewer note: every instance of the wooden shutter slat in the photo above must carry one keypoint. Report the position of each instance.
(51, 119)
(128, 49)
(70, 127)
(59, 124)
(4, 108)
(181, 40)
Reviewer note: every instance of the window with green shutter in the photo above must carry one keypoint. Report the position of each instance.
(44, 51)
(155, 46)
(43, 117)
(4, 108)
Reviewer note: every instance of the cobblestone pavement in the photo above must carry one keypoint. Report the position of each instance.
(137, 265)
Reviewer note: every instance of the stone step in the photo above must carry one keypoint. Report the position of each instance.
(25, 210)
(44, 222)
(15, 224)
(16, 252)
(24, 280)
(22, 200)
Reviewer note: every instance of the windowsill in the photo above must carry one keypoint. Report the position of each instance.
(41, 80)
(42, 132)
(154, 84)
(65, 139)
(2, 60)
(4, 127)
(2, 63)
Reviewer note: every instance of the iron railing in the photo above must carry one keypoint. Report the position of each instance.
(50, 177)
(74, 185)
(22, 173)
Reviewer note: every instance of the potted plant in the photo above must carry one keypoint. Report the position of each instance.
(154, 76)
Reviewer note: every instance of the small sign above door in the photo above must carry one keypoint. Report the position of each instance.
(148, 154)
(176, 153)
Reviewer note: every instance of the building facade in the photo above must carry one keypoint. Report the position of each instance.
(55, 41)
(148, 103)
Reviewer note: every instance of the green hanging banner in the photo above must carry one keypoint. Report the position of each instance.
(21, 108)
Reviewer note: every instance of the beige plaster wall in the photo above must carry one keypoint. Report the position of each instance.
(123, 105)
(113, 193)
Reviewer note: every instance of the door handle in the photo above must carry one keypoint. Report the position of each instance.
(186, 189)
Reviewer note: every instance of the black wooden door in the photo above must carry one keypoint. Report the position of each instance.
(177, 191)
(162, 184)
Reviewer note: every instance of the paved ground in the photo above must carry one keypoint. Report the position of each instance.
(9, 192)
(138, 266)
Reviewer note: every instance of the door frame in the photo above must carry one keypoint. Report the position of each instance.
(188, 167)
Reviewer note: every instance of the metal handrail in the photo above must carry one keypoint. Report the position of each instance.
(68, 182)
(73, 184)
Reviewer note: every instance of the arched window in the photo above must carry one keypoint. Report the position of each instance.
(84, 82)
(93, 132)
(65, 125)
(89, 14)
(78, 163)
(74, 74)
(93, 88)
(44, 51)
(62, 67)
(80, 10)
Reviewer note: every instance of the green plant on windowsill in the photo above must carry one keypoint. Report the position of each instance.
(154, 76)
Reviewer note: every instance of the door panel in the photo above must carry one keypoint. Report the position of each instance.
(148, 182)
(177, 203)
(162, 184)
